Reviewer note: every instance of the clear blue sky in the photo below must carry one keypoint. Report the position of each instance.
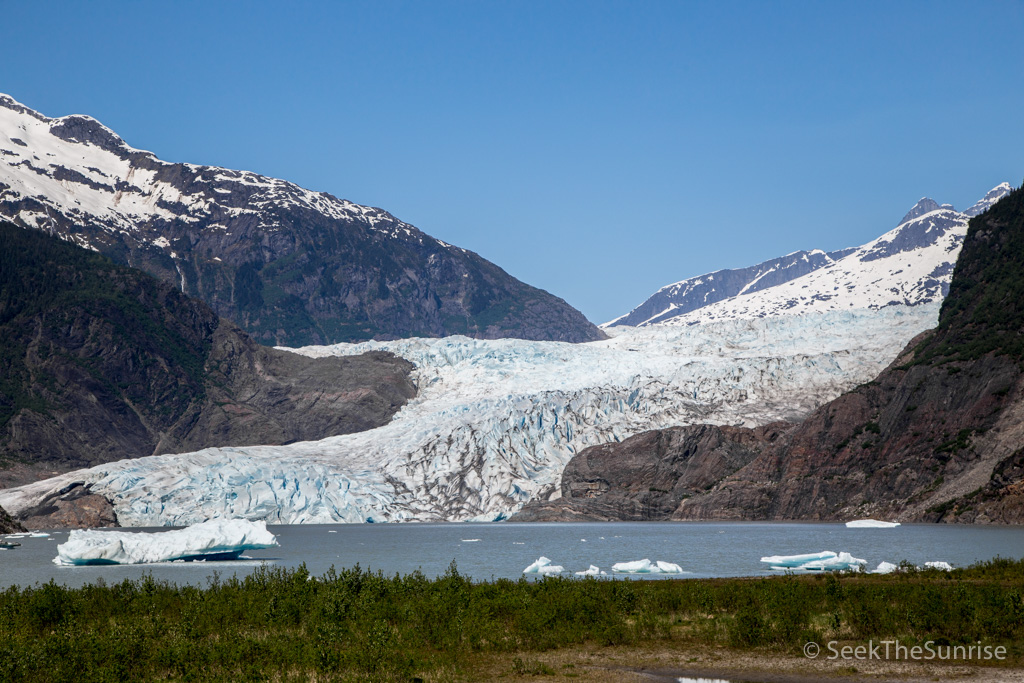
(598, 150)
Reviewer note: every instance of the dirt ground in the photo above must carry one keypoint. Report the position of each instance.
(626, 665)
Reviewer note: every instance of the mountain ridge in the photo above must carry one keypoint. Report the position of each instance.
(839, 278)
(289, 265)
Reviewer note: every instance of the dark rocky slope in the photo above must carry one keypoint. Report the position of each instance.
(102, 363)
(936, 437)
(646, 477)
(290, 266)
(8, 524)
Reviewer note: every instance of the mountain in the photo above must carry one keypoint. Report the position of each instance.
(935, 437)
(908, 265)
(8, 524)
(102, 362)
(288, 265)
(495, 422)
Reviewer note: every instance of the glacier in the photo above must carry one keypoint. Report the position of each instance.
(217, 539)
(495, 421)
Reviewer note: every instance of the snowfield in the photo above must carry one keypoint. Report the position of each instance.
(495, 422)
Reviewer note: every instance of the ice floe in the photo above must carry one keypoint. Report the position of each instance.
(544, 567)
(823, 561)
(870, 524)
(645, 566)
(594, 570)
(218, 539)
(885, 568)
(944, 566)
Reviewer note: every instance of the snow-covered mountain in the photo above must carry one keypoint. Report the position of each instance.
(909, 265)
(289, 265)
(495, 422)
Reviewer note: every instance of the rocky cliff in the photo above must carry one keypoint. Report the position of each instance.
(290, 266)
(102, 363)
(8, 524)
(935, 437)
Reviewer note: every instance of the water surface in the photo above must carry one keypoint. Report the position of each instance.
(503, 550)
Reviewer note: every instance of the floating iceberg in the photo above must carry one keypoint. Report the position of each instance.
(218, 539)
(544, 567)
(645, 566)
(944, 566)
(870, 524)
(792, 561)
(885, 568)
(593, 571)
(815, 562)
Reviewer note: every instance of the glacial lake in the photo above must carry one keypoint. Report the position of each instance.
(503, 549)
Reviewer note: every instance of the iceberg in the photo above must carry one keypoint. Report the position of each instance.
(792, 561)
(544, 567)
(870, 524)
(815, 562)
(645, 566)
(944, 566)
(593, 571)
(218, 539)
(885, 568)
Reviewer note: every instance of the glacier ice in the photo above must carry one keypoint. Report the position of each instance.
(870, 524)
(944, 566)
(885, 568)
(593, 570)
(544, 567)
(495, 421)
(216, 539)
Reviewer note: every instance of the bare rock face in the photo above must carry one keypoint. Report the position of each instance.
(647, 476)
(8, 524)
(74, 507)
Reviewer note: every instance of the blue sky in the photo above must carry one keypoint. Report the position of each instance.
(598, 150)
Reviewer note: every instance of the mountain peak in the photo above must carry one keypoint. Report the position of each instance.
(923, 206)
(993, 196)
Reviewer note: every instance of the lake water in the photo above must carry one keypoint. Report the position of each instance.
(496, 550)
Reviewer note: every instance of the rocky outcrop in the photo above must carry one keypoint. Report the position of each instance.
(290, 266)
(8, 524)
(74, 507)
(935, 437)
(646, 477)
(102, 363)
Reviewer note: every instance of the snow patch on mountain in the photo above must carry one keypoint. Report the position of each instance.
(495, 422)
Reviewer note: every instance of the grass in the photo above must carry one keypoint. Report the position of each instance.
(283, 624)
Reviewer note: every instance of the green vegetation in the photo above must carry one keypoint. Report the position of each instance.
(984, 311)
(62, 306)
(280, 624)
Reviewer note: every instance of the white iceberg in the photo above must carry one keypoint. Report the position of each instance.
(870, 524)
(544, 567)
(218, 539)
(885, 568)
(792, 561)
(645, 566)
(593, 571)
(815, 562)
(944, 566)
(841, 562)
